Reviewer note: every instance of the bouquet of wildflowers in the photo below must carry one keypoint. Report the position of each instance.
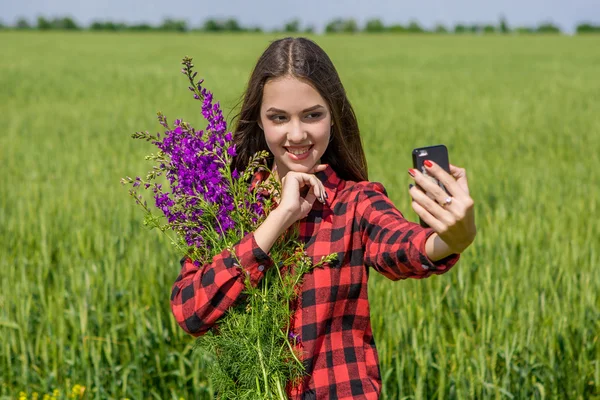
(209, 208)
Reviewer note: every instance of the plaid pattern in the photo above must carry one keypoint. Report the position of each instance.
(332, 316)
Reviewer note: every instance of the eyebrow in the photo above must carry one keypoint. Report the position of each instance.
(315, 107)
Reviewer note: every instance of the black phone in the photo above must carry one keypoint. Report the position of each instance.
(439, 155)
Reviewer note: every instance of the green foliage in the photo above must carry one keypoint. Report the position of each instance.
(43, 24)
(108, 26)
(374, 25)
(397, 28)
(227, 25)
(143, 27)
(64, 23)
(213, 25)
(414, 27)
(232, 25)
(173, 25)
(587, 28)
(334, 26)
(337, 25)
(340, 25)
(460, 28)
(548, 27)
(523, 30)
(292, 26)
(487, 29)
(350, 26)
(503, 25)
(85, 288)
(475, 28)
(22, 24)
(309, 29)
(440, 28)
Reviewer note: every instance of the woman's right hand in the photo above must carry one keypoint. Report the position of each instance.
(292, 207)
(293, 203)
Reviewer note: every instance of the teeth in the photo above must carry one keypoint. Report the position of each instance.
(298, 151)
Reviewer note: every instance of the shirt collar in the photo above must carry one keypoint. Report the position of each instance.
(331, 182)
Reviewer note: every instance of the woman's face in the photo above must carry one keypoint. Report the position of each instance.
(296, 122)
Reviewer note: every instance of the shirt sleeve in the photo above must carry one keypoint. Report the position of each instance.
(394, 246)
(201, 294)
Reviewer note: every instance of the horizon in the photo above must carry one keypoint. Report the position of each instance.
(270, 15)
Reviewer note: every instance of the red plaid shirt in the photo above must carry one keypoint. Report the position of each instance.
(331, 316)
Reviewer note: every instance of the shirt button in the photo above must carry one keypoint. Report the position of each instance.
(261, 268)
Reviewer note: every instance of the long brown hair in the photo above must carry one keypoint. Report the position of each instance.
(305, 60)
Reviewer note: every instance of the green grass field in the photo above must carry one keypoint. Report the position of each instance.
(84, 290)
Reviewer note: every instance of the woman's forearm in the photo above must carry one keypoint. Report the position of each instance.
(271, 229)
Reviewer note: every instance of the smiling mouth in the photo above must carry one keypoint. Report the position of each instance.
(298, 151)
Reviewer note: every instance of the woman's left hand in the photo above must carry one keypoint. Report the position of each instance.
(450, 216)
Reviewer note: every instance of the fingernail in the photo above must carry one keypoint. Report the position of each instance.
(410, 186)
(428, 163)
(411, 172)
(326, 196)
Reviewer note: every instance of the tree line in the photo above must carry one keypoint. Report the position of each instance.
(338, 25)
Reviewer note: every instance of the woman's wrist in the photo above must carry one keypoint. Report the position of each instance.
(276, 223)
(436, 249)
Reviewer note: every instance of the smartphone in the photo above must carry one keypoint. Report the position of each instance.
(439, 155)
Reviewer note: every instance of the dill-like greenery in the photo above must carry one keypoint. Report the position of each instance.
(252, 346)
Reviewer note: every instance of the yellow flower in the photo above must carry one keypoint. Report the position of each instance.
(77, 391)
(56, 393)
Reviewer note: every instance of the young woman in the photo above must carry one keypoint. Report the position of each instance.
(296, 108)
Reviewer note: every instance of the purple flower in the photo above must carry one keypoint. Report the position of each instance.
(195, 165)
(231, 151)
(294, 337)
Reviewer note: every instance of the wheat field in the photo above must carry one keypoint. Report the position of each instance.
(84, 290)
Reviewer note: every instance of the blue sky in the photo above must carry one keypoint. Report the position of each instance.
(273, 14)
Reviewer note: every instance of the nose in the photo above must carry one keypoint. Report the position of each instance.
(296, 134)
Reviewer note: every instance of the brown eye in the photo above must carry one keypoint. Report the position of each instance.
(314, 115)
(277, 118)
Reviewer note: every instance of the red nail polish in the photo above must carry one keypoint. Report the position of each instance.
(411, 172)
(428, 163)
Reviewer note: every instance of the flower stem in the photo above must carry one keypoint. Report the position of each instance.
(262, 366)
(280, 391)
